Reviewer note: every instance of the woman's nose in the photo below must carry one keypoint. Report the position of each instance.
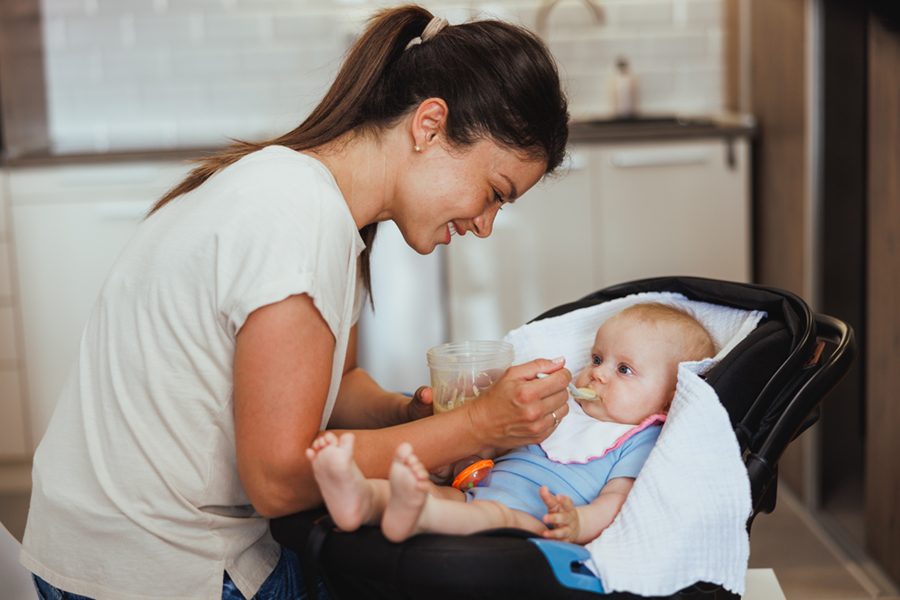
(484, 223)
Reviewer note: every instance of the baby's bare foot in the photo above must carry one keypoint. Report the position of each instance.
(347, 494)
(409, 493)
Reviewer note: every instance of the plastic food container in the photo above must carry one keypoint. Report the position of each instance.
(462, 370)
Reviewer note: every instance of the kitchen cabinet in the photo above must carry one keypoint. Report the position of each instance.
(13, 444)
(671, 208)
(541, 253)
(616, 212)
(70, 222)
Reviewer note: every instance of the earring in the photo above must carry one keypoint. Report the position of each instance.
(418, 149)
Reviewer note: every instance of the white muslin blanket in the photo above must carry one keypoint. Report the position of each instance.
(685, 518)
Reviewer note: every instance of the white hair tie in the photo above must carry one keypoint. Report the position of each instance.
(434, 27)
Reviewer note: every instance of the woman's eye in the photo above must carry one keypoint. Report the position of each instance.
(596, 360)
(625, 370)
(498, 198)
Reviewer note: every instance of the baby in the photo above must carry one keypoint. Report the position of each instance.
(590, 462)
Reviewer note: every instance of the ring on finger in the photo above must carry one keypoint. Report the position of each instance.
(555, 419)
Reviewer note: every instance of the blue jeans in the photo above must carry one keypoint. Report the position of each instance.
(284, 583)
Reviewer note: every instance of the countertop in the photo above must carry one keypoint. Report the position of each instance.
(581, 130)
(660, 127)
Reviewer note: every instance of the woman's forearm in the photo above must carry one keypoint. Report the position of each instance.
(363, 404)
(437, 441)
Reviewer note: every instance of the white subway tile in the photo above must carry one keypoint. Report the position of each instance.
(656, 87)
(704, 13)
(271, 6)
(235, 28)
(131, 7)
(277, 58)
(73, 136)
(716, 46)
(306, 27)
(700, 82)
(140, 133)
(94, 32)
(164, 31)
(206, 64)
(681, 46)
(71, 70)
(63, 8)
(640, 14)
(54, 32)
(568, 18)
(137, 66)
(239, 98)
(194, 6)
(208, 131)
(176, 99)
(287, 60)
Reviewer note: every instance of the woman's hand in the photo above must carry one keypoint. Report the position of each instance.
(561, 518)
(520, 409)
(421, 405)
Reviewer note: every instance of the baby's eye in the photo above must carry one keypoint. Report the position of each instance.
(624, 369)
(596, 360)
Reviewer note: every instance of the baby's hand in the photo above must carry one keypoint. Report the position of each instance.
(561, 516)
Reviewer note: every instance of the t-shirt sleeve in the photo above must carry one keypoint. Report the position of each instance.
(634, 453)
(287, 240)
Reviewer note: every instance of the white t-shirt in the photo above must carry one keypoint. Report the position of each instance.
(135, 485)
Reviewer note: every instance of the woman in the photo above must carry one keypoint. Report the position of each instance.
(223, 341)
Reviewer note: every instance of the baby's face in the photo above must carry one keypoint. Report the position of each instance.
(633, 370)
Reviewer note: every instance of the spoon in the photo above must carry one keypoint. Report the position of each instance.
(576, 392)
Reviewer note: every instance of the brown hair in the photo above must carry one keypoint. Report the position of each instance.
(696, 342)
(499, 82)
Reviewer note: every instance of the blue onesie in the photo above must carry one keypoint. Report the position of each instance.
(518, 475)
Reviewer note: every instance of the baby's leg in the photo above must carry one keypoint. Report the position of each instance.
(411, 510)
(351, 499)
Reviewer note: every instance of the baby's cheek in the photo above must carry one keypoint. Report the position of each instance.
(583, 377)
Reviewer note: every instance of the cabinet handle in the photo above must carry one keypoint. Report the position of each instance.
(660, 158)
(121, 211)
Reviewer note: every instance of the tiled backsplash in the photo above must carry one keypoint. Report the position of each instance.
(130, 74)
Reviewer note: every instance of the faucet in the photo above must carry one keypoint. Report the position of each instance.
(543, 13)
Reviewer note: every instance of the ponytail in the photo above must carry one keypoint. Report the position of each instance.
(499, 81)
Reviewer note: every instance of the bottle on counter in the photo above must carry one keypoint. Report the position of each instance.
(623, 90)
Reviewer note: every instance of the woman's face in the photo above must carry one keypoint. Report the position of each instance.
(462, 189)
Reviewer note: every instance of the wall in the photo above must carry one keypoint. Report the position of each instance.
(883, 345)
(130, 74)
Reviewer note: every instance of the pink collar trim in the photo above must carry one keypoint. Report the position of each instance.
(651, 420)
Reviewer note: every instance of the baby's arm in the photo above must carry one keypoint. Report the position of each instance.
(584, 523)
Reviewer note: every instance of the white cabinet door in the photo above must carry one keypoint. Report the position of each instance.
(672, 208)
(539, 255)
(70, 224)
(12, 411)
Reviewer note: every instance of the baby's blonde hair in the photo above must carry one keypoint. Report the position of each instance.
(696, 341)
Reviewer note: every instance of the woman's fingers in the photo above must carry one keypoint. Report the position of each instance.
(421, 404)
(520, 408)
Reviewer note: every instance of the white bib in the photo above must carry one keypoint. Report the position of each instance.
(581, 438)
